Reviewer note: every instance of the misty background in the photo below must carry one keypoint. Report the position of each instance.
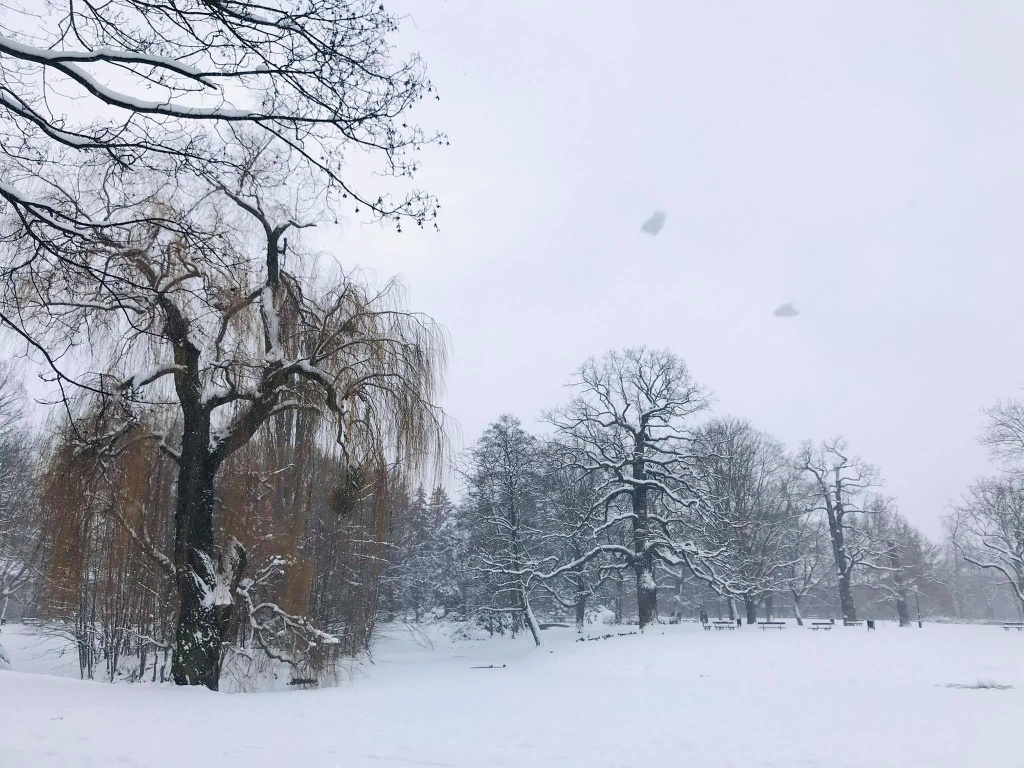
(865, 164)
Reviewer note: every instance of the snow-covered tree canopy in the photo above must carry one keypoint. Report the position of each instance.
(192, 338)
(629, 423)
(1004, 432)
(127, 86)
(988, 529)
(752, 486)
(846, 493)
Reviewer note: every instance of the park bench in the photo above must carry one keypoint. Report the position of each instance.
(1018, 625)
(723, 625)
(826, 625)
(772, 624)
(852, 623)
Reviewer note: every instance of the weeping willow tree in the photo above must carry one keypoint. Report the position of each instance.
(317, 540)
(98, 586)
(144, 265)
(203, 336)
(319, 534)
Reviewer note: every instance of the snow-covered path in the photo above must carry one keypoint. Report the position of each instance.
(674, 697)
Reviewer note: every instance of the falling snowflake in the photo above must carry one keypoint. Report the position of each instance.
(786, 310)
(654, 224)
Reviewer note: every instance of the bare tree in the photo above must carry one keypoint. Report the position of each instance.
(569, 496)
(129, 86)
(18, 535)
(988, 529)
(905, 560)
(630, 420)
(809, 559)
(972, 593)
(843, 487)
(503, 479)
(1004, 433)
(749, 477)
(207, 319)
(107, 112)
(428, 558)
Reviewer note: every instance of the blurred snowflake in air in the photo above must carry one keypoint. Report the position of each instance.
(654, 224)
(786, 310)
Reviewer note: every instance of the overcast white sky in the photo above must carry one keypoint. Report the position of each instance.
(864, 161)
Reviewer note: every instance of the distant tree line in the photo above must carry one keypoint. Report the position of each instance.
(635, 504)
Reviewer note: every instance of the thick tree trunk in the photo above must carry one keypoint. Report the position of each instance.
(646, 592)
(205, 577)
(797, 612)
(198, 641)
(581, 613)
(530, 619)
(580, 602)
(643, 558)
(751, 607)
(769, 607)
(902, 610)
(843, 569)
(846, 603)
(204, 589)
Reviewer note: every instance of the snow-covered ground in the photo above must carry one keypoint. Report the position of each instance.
(677, 696)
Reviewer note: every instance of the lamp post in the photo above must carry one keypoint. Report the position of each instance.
(917, 599)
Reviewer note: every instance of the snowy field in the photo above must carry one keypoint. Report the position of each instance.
(677, 696)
